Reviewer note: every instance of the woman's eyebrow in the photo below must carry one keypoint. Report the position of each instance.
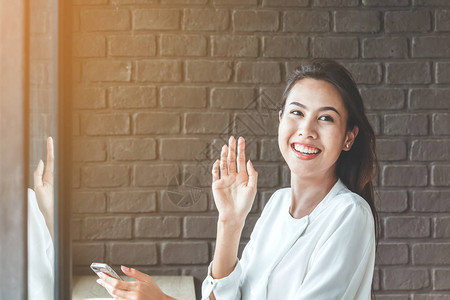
(320, 109)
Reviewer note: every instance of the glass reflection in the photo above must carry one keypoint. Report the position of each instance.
(43, 122)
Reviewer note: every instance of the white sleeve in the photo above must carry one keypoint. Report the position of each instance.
(226, 288)
(342, 268)
(40, 253)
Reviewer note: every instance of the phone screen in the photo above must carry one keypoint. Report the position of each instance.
(102, 267)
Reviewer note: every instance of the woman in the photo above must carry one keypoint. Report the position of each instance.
(316, 239)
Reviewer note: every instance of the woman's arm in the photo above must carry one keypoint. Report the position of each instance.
(44, 188)
(234, 189)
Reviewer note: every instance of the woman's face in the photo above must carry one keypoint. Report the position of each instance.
(312, 131)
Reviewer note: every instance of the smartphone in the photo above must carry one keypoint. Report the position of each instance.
(102, 267)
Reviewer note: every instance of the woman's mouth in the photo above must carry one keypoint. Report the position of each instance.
(305, 151)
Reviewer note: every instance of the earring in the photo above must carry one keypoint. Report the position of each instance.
(347, 146)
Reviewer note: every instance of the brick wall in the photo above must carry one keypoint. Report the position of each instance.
(158, 86)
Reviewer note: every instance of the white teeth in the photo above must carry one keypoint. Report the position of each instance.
(306, 150)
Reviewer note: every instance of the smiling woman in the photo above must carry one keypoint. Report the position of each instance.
(315, 239)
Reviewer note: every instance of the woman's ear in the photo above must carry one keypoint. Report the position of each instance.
(350, 138)
(280, 114)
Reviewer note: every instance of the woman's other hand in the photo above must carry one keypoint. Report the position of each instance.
(142, 289)
(44, 187)
(234, 187)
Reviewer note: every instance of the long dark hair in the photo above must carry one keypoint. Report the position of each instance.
(358, 166)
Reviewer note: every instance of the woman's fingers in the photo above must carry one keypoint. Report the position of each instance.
(37, 175)
(48, 175)
(215, 171)
(116, 292)
(241, 155)
(223, 161)
(252, 175)
(136, 274)
(232, 155)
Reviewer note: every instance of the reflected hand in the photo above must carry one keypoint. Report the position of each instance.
(142, 289)
(44, 187)
(234, 189)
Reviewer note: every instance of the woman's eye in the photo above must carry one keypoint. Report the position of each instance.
(297, 112)
(326, 118)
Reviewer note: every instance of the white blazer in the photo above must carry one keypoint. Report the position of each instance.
(329, 254)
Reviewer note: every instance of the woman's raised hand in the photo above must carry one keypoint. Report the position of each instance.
(234, 187)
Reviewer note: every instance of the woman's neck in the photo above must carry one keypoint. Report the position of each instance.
(308, 192)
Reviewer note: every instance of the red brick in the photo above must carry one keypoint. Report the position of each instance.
(235, 46)
(208, 71)
(285, 46)
(180, 96)
(251, 20)
(104, 19)
(258, 72)
(133, 149)
(158, 71)
(107, 228)
(306, 21)
(206, 19)
(106, 71)
(132, 97)
(185, 253)
(157, 227)
(182, 45)
(407, 227)
(156, 19)
(157, 123)
(105, 176)
(106, 124)
(135, 45)
(133, 253)
(132, 202)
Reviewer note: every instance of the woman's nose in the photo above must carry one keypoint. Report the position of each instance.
(307, 128)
